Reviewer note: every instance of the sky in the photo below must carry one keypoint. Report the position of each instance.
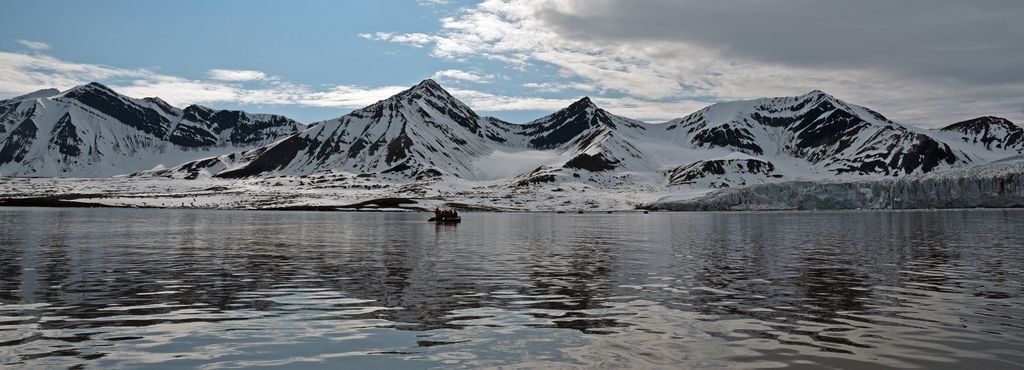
(921, 62)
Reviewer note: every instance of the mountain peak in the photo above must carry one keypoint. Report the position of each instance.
(817, 94)
(90, 87)
(156, 100)
(431, 93)
(426, 88)
(163, 105)
(428, 83)
(97, 85)
(194, 107)
(980, 123)
(44, 93)
(995, 119)
(581, 104)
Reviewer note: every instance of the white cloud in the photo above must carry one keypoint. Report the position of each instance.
(349, 96)
(628, 107)
(34, 45)
(454, 74)
(236, 75)
(21, 73)
(432, 2)
(553, 87)
(488, 102)
(417, 40)
(656, 70)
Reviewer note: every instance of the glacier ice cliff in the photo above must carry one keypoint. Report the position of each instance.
(999, 184)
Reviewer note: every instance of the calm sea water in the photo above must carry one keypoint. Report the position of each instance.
(109, 288)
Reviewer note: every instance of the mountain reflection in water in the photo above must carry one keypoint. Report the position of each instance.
(186, 288)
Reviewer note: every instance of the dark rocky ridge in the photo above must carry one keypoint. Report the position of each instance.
(106, 101)
(592, 163)
(579, 124)
(18, 142)
(64, 138)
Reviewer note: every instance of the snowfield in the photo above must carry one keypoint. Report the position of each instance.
(329, 192)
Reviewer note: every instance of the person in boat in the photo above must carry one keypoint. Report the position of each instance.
(445, 214)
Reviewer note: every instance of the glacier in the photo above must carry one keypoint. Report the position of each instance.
(995, 185)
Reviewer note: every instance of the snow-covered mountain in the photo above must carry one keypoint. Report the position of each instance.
(835, 136)
(587, 142)
(424, 133)
(92, 131)
(991, 134)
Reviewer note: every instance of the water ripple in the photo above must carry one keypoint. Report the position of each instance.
(206, 289)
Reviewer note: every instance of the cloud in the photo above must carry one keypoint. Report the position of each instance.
(977, 42)
(920, 62)
(432, 2)
(21, 73)
(553, 87)
(349, 96)
(628, 107)
(412, 39)
(489, 102)
(454, 74)
(34, 45)
(236, 75)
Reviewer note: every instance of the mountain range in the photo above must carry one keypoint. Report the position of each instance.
(92, 131)
(425, 134)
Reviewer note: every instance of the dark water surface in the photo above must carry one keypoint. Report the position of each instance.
(109, 288)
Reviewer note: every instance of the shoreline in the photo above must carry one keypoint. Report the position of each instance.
(395, 205)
